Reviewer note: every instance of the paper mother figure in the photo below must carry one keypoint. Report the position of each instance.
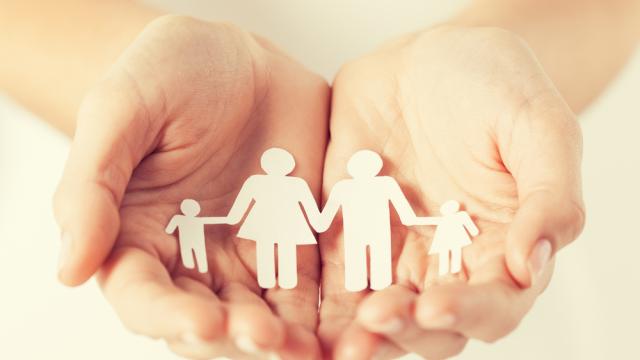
(276, 217)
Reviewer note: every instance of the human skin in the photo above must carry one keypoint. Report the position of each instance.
(185, 112)
(456, 114)
(466, 111)
(54, 52)
(43, 47)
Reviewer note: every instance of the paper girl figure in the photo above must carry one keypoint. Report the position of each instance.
(452, 234)
(365, 199)
(276, 217)
(191, 234)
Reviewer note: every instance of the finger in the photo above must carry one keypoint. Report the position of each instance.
(143, 295)
(487, 311)
(337, 308)
(543, 152)
(112, 135)
(222, 348)
(390, 313)
(299, 305)
(251, 324)
(204, 350)
(249, 319)
(299, 309)
(358, 343)
(300, 343)
(338, 332)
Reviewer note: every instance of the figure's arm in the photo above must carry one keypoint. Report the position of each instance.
(427, 220)
(401, 204)
(330, 209)
(173, 224)
(213, 220)
(54, 51)
(242, 202)
(469, 224)
(309, 205)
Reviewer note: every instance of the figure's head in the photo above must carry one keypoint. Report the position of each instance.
(276, 161)
(364, 164)
(190, 207)
(450, 207)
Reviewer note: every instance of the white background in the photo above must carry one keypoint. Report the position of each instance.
(590, 310)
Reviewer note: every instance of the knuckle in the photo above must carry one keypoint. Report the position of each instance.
(227, 45)
(175, 26)
(116, 97)
(170, 19)
(174, 22)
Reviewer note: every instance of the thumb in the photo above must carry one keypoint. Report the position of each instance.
(108, 144)
(543, 154)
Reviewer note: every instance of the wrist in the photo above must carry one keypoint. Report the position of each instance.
(582, 44)
(70, 44)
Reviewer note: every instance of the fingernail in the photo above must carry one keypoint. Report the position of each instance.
(391, 326)
(247, 345)
(65, 249)
(192, 339)
(539, 258)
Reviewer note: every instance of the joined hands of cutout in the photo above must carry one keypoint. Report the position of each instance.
(277, 218)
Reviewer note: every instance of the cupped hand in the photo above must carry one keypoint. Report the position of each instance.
(465, 114)
(186, 112)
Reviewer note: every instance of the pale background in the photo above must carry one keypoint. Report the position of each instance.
(590, 310)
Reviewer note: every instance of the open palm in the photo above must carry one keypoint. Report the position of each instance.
(464, 114)
(186, 113)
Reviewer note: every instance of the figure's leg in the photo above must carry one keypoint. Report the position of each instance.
(456, 260)
(443, 262)
(287, 266)
(381, 267)
(201, 257)
(186, 254)
(265, 264)
(355, 266)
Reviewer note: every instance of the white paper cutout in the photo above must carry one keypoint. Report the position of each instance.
(274, 204)
(366, 220)
(191, 234)
(452, 234)
(276, 217)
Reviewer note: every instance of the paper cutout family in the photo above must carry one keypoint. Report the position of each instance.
(276, 217)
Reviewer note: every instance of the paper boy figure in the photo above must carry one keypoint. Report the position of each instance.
(191, 234)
